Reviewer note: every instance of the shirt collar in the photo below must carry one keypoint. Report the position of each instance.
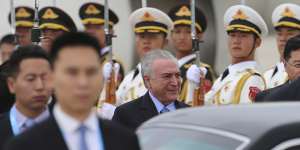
(185, 59)
(21, 118)
(159, 106)
(139, 66)
(69, 124)
(242, 66)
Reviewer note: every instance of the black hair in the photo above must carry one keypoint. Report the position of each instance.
(292, 44)
(9, 39)
(73, 39)
(22, 53)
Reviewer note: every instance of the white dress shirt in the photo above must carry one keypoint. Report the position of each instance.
(159, 106)
(18, 120)
(69, 128)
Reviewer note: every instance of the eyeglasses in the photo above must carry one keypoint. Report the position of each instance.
(297, 65)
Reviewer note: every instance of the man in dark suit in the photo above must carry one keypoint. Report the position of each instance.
(77, 80)
(6, 98)
(28, 72)
(162, 79)
(7, 46)
(291, 62)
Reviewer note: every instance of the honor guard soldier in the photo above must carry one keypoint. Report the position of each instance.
(286, 21)
(92, 17)
(24, 23)
(240, 82)
(182, 42)
(54, 22)
(151, 27)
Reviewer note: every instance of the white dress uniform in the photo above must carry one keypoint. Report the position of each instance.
(240, 82)
(240, 85)
(143, 20)
(187, 89)
(132, 87)
(275, 76)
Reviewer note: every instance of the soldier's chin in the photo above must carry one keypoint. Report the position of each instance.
(46, 46)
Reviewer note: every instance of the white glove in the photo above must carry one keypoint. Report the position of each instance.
(107, 68)
(194, 72)
(106, 111)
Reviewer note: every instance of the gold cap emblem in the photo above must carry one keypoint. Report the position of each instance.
(287, 13)
(49, 14)
(22, 13)
(240, 15)
(147, 17)
(92, 10)
(184, 11)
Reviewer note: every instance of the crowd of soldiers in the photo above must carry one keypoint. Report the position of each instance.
(52, 94)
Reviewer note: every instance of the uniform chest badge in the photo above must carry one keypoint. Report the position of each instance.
(187, 66)
(226, 88)
(140, 84)
(253, 92)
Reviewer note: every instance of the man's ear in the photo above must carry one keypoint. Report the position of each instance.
(11, 84)
(257, 42)
(147, 81)
(200, 36)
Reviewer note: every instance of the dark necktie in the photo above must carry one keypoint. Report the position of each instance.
(28, 123)
(164, 110)
(225, 73)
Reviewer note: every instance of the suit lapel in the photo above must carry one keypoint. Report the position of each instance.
(179, 105)
(6, 130)
(54, 131)
(147, 107)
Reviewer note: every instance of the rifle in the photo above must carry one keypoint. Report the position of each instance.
(198, 98)
(110, 86)
(36, 31)
(144, 3)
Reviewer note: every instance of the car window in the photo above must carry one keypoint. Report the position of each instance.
(184, 139)
(291, 144)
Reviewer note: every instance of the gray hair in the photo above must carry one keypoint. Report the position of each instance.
(153, 55)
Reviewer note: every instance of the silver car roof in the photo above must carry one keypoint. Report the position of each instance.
(250, 120)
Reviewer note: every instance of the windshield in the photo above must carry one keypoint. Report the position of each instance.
(184, 139)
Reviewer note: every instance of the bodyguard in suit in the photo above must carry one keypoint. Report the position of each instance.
(6, 98)
(74, 124)
(291, 61)
(161, 75)
(7, 46)
(29, 79)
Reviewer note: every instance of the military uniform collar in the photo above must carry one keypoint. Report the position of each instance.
(185, 59)
(280, 66)
(105, 50)
(242, 66)
(139, 66)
